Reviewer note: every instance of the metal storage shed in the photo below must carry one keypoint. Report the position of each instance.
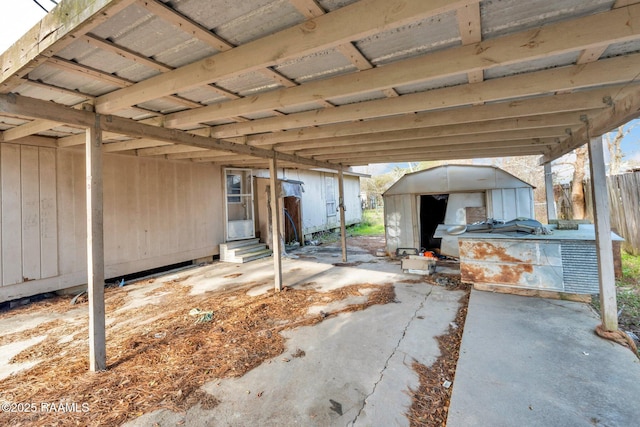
(451, 194)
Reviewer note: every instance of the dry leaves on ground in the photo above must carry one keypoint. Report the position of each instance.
(157, 356)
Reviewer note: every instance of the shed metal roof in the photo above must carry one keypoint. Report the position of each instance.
(321, 83)
(455, 178)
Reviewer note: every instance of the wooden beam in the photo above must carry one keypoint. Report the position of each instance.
(425, 155)
(168, 149)
(112, 79)
(612, 71)
(57, 89)
(548, 189)
(525, 46)
(33, 127)
(308, 8)
(536, 144)
(36, 141)
(390, 143)
(528, 113)
(354, 56)
(469, 23)
(604, 246)
(52, 34)
(341, 207)
(95, 249)
(275, 224)
(277, 77)
(624, 106)
(469, 26)
(108, 46)
(29, 128)
(29, 107)
(222, 160)
(346, 24)
(556, 126)
(133, 144)
(185, 24)
(591, 54)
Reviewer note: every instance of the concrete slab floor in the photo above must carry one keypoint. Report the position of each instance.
(356, 367)
(537, 362)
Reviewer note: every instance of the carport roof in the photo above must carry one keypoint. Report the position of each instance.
(326, 82)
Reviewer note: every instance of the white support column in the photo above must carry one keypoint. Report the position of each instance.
(276, 229)
(548, 188)
(604, 249)
(95, 249)
(343, 228)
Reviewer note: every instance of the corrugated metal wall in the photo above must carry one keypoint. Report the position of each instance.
(314, 200)
(511, 203)
(401, 222)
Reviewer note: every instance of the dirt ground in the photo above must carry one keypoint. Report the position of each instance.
(160, 358)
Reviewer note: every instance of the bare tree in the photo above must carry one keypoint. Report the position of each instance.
(577, 187)
(614, 141)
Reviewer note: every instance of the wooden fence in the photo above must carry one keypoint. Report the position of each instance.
(624, 200)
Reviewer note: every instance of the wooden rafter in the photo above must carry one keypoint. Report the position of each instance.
(346, 24)
(108, 78)
(108, 46)
(414, 139)
(624, 107)
(55, 32)
(185, 24)
(29, 107)
(534, 113)
(406, 156)
(526, 46)
(161, 151)
(614, 70)
(523, 138)
(470, 30)
(523, 146)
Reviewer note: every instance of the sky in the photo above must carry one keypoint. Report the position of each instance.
(18, 16)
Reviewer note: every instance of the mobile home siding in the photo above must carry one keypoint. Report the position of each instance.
(156, 212)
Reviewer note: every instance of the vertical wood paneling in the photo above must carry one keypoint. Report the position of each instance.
(80, 209)
(110, 206)
(183, 236)
(165, 195)
(143, 208)
(66, 220)
(128, 213)
(30, 189)
(200, 194)
(48, 213)
(153, 208)
(154, 226)
(11, 215)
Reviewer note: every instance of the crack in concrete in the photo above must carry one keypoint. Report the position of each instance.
(386, 363)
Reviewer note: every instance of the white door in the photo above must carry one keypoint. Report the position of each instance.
(239, 201)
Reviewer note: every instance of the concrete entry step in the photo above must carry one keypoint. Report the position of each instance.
(239, 243)
(243, 251)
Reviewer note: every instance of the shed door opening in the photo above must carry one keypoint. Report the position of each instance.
(239, 201)
(292, 220)
(432, 210)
